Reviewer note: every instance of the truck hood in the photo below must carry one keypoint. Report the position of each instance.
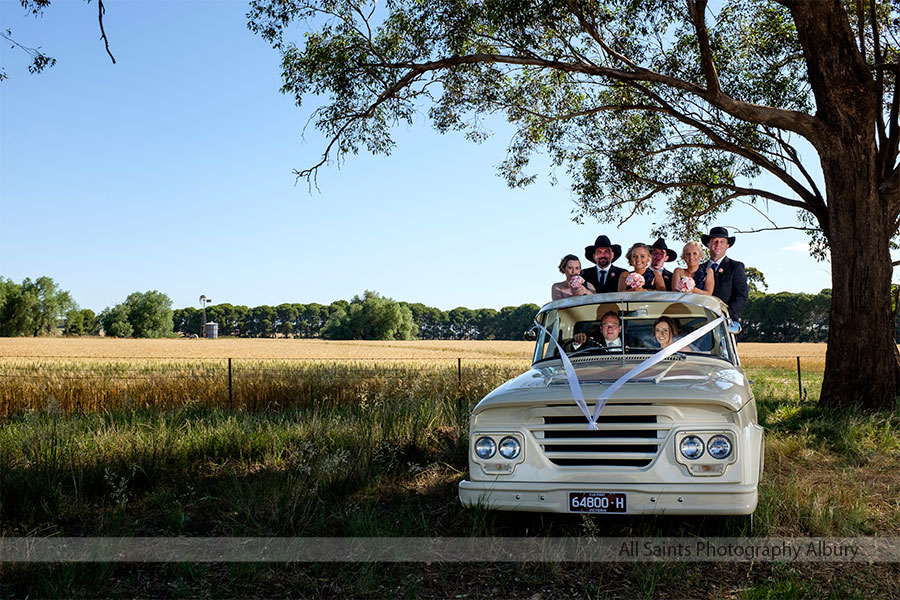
(680, 380)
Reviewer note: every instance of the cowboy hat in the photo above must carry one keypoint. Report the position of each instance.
(660, 244)
(719, 232)
(602, 242)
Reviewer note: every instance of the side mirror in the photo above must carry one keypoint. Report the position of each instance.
(734, 327)
(530, 335)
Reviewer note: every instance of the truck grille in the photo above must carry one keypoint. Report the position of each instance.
(626, 435)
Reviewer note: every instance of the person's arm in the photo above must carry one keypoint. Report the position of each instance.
(677, 274)
(622, 284)
(658, 282)
(555, 292)
(589, 287)
(709, 285)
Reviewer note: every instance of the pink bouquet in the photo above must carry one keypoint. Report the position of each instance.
(634, 280)
(685, 284)
(576, 282)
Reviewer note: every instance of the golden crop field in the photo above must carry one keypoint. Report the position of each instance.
(183, 348)
(100, 373)
(812, 356)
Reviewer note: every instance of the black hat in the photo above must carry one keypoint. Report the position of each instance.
(717, 232)
(661, 245)
(602, 242)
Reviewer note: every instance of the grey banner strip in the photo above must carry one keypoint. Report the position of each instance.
(428, 550)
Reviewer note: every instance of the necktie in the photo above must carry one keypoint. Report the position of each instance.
(603, 279)
(714, 266)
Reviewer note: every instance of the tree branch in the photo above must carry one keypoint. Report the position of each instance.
(747, 153)
(791, 120)
(101, 10)
(697, 9)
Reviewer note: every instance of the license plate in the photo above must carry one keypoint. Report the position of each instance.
(597, 502)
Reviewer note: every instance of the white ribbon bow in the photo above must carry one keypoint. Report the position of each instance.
(575, 385)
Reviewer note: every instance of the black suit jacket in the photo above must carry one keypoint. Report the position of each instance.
(731, 285)
(612, 279)
(667, 278)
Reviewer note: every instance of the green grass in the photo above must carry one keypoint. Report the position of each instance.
(388, 465)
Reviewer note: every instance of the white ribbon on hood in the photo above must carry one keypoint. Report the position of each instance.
(575, 385)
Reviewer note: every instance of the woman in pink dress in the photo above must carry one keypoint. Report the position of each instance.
(574, 285)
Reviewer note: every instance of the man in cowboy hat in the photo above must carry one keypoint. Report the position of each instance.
(604, 277)
(660, 254)
(731, 277)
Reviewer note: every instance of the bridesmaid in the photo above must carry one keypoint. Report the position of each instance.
(693, 278)
(639, 258)
(574, 285)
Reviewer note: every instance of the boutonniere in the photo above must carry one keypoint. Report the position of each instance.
(721, 270)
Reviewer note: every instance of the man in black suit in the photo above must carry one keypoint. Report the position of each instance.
(604, 277)
(660, 254)
(731, 277)
(607, 335)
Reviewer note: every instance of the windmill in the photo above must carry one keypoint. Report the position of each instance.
(203, 301)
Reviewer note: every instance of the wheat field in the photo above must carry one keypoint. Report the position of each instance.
(260, 348)
(183, 348)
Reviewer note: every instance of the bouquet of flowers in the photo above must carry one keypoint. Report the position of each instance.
(634, 280)
(576, 282)
(685, 284)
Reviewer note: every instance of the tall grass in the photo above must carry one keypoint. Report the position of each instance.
(357, 449)
(71, 386)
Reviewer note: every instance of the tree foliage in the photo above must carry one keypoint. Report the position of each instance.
(143, 314)
(645, 102)
(32, 307)
(81, 322)
(371, 317)
(114, 321)
(40, 60)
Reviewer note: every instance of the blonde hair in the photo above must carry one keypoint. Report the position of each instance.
(692, 244)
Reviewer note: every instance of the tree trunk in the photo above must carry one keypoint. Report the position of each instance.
(862, 364)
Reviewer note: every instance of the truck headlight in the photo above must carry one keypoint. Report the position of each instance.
(485, 447)
(691, 447)
(510, 447)
(719, 447)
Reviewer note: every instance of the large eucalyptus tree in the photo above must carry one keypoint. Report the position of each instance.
(646, 103)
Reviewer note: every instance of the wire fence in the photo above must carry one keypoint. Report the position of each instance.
(79, 385)
(100, 383)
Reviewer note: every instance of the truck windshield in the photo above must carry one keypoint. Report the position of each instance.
(646, 327)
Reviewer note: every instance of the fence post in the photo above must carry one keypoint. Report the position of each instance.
(459, 394)
(230, 396)
(799, 380)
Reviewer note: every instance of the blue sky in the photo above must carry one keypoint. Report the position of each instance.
(172, 171)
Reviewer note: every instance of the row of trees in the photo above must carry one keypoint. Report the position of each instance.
(370, 316)
(782, 317)
(40, 307)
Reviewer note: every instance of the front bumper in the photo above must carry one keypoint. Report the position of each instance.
(642, 499)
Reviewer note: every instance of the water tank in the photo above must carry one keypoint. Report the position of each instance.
(212, 330)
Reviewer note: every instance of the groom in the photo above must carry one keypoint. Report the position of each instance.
(731, 278)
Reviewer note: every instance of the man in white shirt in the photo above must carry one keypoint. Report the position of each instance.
(610, 331)
(731, 277)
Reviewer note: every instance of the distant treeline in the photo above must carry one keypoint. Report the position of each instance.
(40, 307)
(782, 317)
(307, 320)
